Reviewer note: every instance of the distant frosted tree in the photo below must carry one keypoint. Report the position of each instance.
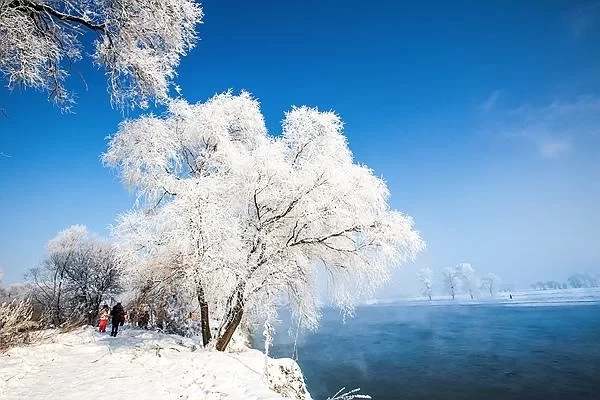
(425, 277)
(451, 280)
(490, 282)
(76, 275)
(552, 285)
(583, 281)
(245, 219)
(468, 278)
(138, 42)
(13, 291)
(507, 288)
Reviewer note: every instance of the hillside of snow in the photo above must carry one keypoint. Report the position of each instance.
(141, 365)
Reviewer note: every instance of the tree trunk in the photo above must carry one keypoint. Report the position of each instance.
(234, 316)
(233, 321)
(57, 318)
(204, 315)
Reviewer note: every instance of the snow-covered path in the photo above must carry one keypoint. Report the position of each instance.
(135, 365)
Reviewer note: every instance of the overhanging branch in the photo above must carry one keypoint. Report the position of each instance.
(53, 13)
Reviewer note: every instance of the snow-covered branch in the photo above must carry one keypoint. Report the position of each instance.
(138, 42)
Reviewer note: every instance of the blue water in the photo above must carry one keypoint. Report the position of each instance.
(454, 352)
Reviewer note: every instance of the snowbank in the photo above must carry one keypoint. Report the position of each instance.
(139, 365)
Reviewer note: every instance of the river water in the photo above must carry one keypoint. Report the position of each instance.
(454, 352)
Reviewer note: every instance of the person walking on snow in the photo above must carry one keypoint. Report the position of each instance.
(122, 317)
(144, 320)
(104, 312)
(115, 316)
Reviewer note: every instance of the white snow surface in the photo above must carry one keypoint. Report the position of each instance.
(140, 365)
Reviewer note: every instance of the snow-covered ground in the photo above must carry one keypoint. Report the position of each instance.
(85, 364)
(532, 298)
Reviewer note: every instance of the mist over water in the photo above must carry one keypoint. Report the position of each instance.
(453, 352)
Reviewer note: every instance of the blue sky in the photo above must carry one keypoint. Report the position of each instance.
(483, 119)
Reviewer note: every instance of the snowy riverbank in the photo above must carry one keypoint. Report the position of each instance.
(139, 365)
(532, 298)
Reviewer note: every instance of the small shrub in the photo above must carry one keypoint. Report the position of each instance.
(16, 324)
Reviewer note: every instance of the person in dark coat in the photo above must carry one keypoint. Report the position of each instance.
(144, 320)
(115, 315)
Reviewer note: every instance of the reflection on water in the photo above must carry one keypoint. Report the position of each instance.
(454, 352)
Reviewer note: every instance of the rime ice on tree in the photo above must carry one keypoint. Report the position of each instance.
(244, 219)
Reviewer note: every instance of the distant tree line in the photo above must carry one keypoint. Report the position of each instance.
(575, 281)
(461, 278)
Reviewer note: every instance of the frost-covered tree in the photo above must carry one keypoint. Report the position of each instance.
(584, 281)
(507, 288)
(19, 290)
(425, 277)
(490, 283)
(79, 272)
(245, 219)
(468, 279)
(451, 280)
(552, 285)
(138, 42)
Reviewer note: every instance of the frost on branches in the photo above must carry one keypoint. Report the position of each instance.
(79, 272)
(469, 281)
(15, 323)
(138, 42)
(490, 283)
(452, 280)
(244, 219)
(425, 276)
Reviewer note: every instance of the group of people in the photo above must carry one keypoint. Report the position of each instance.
(139, 318)
(117, 316)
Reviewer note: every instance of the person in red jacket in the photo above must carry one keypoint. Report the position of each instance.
(122, 317)
(104, 312)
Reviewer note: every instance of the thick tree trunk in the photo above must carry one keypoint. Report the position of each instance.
(234, 315)
(204, 315)
(232, 322)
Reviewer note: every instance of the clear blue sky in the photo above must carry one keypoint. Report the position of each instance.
(483, 119)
